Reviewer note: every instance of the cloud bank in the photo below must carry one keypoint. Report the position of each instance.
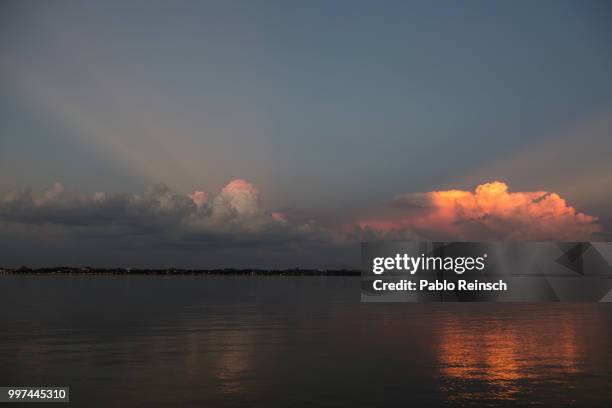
(235, 210)
(159, 220)
(491, 212)
(232, 229)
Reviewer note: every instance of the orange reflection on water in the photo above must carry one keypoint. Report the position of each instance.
(502, 354)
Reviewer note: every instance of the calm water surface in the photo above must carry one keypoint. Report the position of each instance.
(293, 342)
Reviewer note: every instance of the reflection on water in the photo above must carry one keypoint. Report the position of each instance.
(233, 362)
(297, 341)
(504, 355)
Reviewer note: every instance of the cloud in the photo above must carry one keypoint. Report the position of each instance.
(231, 228)
(231, 218)
(198, 198)
(491, 212)
(240, 196)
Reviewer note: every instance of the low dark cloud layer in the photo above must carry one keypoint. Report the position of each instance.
(228, 229)
(159, 228)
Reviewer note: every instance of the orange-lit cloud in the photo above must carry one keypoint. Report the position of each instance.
(491, 212)
(199, 198)
(242, 196)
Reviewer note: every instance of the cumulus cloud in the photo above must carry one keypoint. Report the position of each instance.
(491, 212)
(231, 218)
(240, 196)
(198, 198)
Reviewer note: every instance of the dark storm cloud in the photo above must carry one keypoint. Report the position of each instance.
(157, 219)
(156, 207)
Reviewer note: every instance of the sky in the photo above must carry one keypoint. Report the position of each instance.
(301, 125)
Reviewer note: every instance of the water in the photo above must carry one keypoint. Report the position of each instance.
(217, 341)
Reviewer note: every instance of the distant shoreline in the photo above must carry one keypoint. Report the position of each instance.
(177, 271)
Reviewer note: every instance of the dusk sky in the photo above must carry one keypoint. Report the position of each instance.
(275, 134)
